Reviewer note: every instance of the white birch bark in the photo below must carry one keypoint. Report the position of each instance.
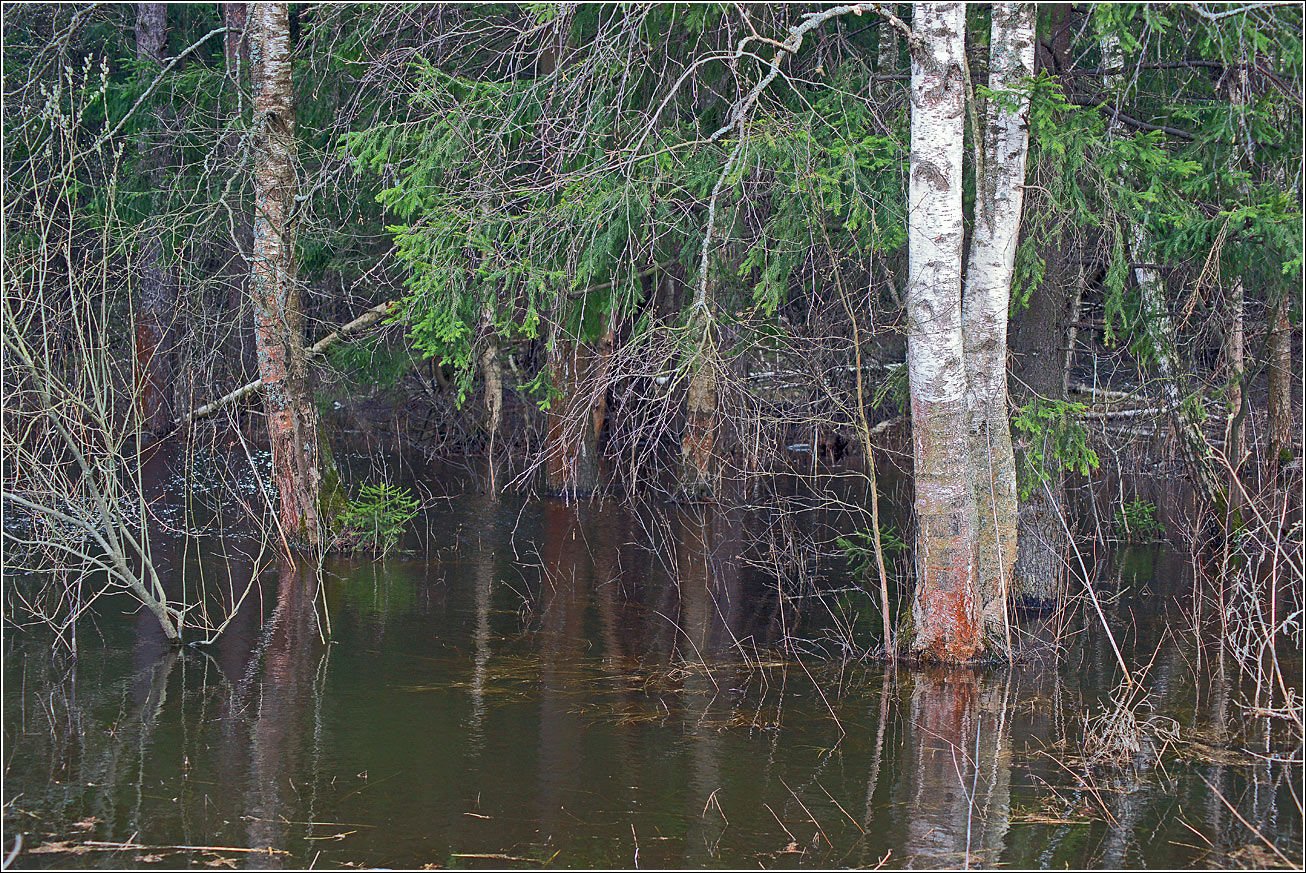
(944, 612)
(1000, 196)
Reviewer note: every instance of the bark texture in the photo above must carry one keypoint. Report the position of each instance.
(1280, 399)
(945, 614)
(699, 440)
(571, 466)
(274, 290)
(155, 286)
(999, 200)
(1042, 336)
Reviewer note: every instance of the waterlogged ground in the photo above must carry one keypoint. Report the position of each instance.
(534, 685)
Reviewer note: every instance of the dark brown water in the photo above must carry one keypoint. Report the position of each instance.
(541, 685)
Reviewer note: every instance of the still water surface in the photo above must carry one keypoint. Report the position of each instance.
(536, 684)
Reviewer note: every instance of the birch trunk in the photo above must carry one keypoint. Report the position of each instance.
(155, 294)
(1000, 196)
(492, 371)
(945, 611)
(1158, 329)
(887, 50)
(274, 291)
(1239, 96)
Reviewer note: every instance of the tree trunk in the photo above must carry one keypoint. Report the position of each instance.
(1039, 369)
(492, 371)
(1158, 330)
(999, 200)
(279, 329)
(945, 615)
(698, 443)
(572, 462)
(1235, 362)
(235, 16)
(1280, 400)
(886, 62)
(155, 294)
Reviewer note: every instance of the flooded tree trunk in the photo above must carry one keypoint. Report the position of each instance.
(279, 330)
(1235, 342)
(999, 202)
(945, 617)
(155, 292)
(1039, 369)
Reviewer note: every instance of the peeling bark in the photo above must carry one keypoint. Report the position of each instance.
(999, 202)
(945, 615)
(274, 290)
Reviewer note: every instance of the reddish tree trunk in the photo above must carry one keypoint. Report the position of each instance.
(279, 331)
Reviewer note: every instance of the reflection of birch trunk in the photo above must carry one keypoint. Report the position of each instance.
(276, 741)
(944, 614)
(483, 575)
(696, 541)
(961, 762)
(565, 588)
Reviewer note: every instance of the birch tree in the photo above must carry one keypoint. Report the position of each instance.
(1155, 318)
(944, 612)
(279, 330)
(999, 199)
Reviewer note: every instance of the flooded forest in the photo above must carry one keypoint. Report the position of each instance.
(652, 435)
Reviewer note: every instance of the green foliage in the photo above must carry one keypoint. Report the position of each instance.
(1136, 520)
(859, 548)
(368, 362)
(893, 390)
(1052, 437)
(377, 517)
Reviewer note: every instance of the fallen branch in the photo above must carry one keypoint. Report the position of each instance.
(368, 318)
